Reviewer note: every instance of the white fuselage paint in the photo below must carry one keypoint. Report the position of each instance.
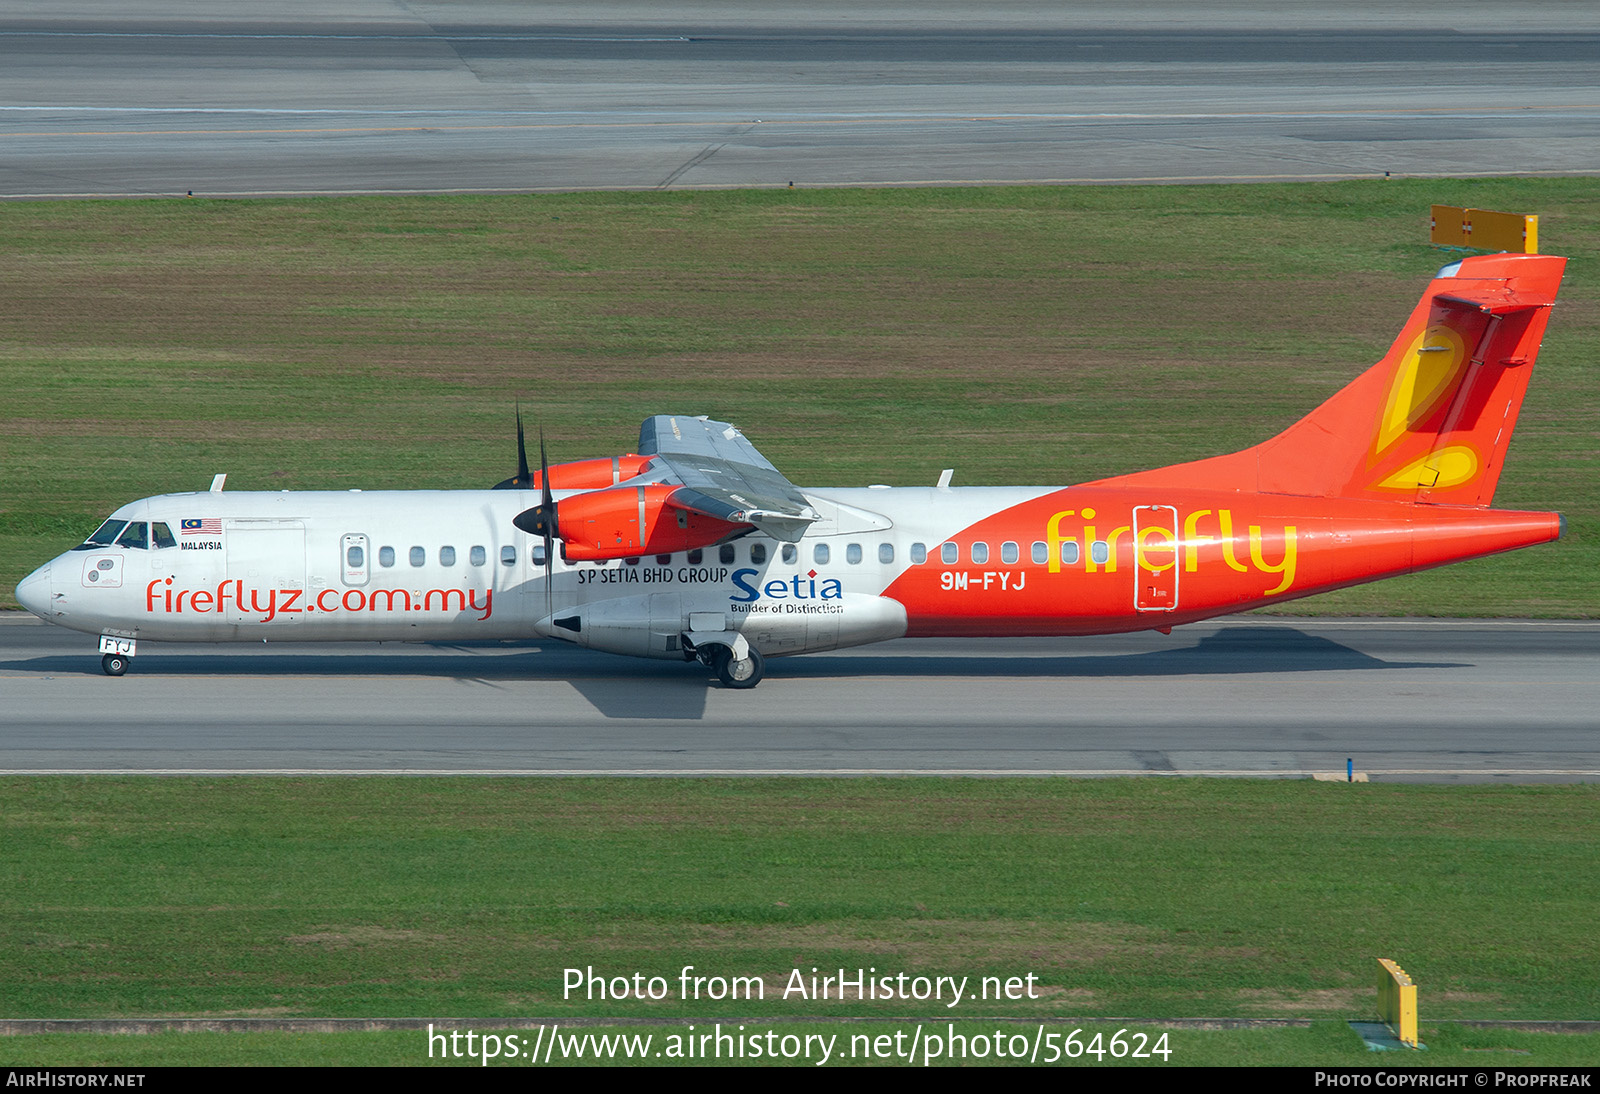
(282, 569)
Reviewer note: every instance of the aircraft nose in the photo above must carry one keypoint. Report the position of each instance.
(33, 592)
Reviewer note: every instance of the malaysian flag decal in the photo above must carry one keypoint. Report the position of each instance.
(209, 526)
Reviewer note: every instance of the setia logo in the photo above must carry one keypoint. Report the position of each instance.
(799, 587)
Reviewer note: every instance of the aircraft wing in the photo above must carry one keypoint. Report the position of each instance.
(722, 475)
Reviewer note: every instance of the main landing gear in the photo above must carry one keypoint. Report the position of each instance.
(729, 654)
(739, 672)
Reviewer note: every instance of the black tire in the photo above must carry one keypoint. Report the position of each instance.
(114, 664)
(739, 674)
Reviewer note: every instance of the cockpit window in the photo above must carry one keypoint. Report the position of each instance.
(161, 536)
(103, 536)
(136, 535)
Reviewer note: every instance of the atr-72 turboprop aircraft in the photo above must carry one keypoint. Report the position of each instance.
(697, 548)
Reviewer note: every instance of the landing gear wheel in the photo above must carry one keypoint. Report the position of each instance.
(739, 674)
(114, 664)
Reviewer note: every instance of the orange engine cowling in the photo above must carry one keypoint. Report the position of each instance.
(592, 474)
(635, 520)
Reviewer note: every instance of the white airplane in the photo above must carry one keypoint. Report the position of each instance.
(697, 548)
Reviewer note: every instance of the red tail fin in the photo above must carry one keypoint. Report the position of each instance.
(1432, 420)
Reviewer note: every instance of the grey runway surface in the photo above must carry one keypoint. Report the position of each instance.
(1406, 700)
(166, 96)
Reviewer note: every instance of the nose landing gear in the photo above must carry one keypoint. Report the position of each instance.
(118, 654)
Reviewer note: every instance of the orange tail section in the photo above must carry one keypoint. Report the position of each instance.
(1430, 423)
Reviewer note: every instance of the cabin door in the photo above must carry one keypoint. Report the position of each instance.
(1155, 558)
(267, 567)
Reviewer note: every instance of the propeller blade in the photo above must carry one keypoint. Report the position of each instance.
(544, 470)
(547, 504)
(541, 520)
(523, 479)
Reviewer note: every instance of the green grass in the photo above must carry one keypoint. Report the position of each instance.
(1033, 335)
(271, 897)
(1324, 1043)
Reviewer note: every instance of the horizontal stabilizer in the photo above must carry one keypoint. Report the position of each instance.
(1497, 301)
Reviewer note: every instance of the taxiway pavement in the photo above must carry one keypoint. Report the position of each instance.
(1431, 700)
(283, 97)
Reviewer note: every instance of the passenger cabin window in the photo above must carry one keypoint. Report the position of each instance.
(694, 557)
(536, 555)
(980, 553)
(663, 560)
(1100, 552)
(852, 554)
(508, 556)
(758, 553)
(1040, 552)
(919, 553)
(949, 554)
(447, 556)
(634, 561)
(136, 535)
(385, 556)
(885, 553)
(1069, 552)
(725, 554)
(1009, 552)
(419, 556)
(791, 553)
(161, 535)
(819, 554)
(355, 558)
(477, 556)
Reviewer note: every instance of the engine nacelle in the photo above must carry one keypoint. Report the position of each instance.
(625, 522)
(592, 474)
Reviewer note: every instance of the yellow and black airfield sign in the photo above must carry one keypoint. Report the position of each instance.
(1484, 230)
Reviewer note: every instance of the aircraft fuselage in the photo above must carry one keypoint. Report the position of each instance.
(702, 549)
(881, 563)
